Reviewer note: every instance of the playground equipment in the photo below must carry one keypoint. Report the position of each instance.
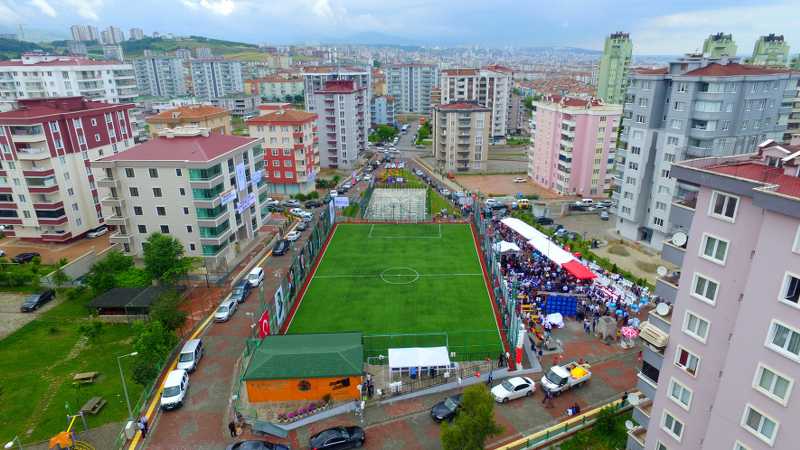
(67, 440)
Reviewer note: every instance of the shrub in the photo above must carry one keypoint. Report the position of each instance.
(91, 329)
(619, 250)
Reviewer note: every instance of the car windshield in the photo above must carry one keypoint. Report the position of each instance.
(222, 309)
(507, 386)
(450, 404)
(238, 290)
(31, 300)
(171, 391)
(554, 378)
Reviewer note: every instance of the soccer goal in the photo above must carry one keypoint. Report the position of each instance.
(397, 205)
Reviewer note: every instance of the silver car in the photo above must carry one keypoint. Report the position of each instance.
(225, 310)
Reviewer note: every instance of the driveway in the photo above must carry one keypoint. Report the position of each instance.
(52, 253)
(11, 319)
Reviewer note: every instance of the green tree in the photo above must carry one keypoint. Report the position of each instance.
(134, 277)
(164, 260)
(288, 98)
(165, 310)
(383, 133)
(424, 132)
(102, 275)
(60, 278)
(474, 423)
(299, 98)
(153, 343)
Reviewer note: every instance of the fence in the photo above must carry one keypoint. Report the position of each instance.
(476, 345)
(80, 266)
(426, 379)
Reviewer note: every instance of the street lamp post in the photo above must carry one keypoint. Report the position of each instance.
(11, 443)
(125, 386)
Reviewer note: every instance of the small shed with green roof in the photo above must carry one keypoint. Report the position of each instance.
(306, 367)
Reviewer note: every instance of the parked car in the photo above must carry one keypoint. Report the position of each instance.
(241, 290)
(281, 248)
(225, 310)
(519, 180)
(97, 232)
(338, 438)
(175, 387)
(276, 208)
(272, 202)
(512, 388)
(302, 226)
(256, 276)
(313, 204)
(26, 257)
(2, 253)
(446, 409)
(544, 221)
(334, 193)
(603, 215)
(190, 355)
(292, 236)
(36, 301)
(297, 212)
(256, 445)
(563, 378)
(347, 186)
(291, 203)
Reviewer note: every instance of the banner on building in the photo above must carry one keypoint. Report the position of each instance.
(241, 179)
(228, 197)
(248, 201)
(341, 201)
(257, 176)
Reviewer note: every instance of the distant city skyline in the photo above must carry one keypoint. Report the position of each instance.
(655, 28)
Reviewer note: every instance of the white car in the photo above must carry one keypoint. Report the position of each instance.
(513, 388)
(225, 310)
(272, 202)
(255, 277)
(175, 386)
(297, 212)
(292, 236)
(97, 232)
(519, 180)
(334, 193)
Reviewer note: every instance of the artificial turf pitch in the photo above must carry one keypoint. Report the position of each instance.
(402, 286)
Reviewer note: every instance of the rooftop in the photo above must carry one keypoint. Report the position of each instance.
(733, 69)
(307, 356)
(756, 171)
(499, 68)
(43, 107)
(574, 102)
(189, 112)
(276, 79)
(274, 106)
(194, 148)
(460, 72)
(338, 87)
(283, 116)
(51, 61)
(462, 106)
(651, 70)
(331, 69)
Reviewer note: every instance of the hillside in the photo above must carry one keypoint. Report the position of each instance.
(12, 48)
(217, 46)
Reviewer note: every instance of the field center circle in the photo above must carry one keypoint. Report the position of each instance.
(399, 275)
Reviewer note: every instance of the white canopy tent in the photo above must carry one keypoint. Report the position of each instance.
(403, 359)
(505, 247)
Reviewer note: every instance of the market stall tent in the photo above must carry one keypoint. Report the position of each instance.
(505, 247)
(404, 359)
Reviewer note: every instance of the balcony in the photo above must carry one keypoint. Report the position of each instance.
(53, 220)
(121, 238)
(39, 172)
(298, 135)
(32, 153)
(653, 357)
(682, 213)
(672, 253)
(56, 236)
(42, 186)
(637, 438)
(28, 134)
(698, 152)
(667, 287)
(663, 323)
(646, 385)
(108, 182)
(222, 238)
(211, 181)
(111, 201)
(6, 205)
(642, 412)
(117, 219)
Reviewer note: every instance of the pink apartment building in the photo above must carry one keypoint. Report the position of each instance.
(573, 144)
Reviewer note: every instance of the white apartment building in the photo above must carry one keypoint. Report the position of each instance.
(342, 108)
(460, 136)
(410, 85)
(216, 77)
(200, 187)
(160, 76)
(38, 75)
(490, 86)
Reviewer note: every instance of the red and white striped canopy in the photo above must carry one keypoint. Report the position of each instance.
(550, 249)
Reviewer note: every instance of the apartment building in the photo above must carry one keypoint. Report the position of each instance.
(275, 87)
(410, 85)
(771, 50)
(490, 86)
(216, 119)
(38, 75)
(112, 35)
(202, 188)
(216, 77)
(113, 52)
(573, 145)
(695, 107)
(612, 77)
(461, 133)
(343, 120)
(239, 105)
(135, 34)
(314, 80)
(383, 110)
(84, 33)
(291, 149)
(723, 376)
(719, 45)
(160, 76)
(47, 189)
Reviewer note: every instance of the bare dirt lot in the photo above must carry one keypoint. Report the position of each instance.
(504, 185)
(52, 253)
(11, 319)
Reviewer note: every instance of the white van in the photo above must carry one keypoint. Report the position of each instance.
(175, 387)
(190, 355)
(256, 276)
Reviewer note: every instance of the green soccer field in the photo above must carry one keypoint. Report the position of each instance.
(402, 286)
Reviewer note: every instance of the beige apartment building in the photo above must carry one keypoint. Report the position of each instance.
(203, 188)
(218, 120)
(461, 136)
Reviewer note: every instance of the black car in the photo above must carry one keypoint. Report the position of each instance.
(276, 208)
(446, 409)
(313, 204)
(256, 445)
(544, 221)
(23, 258)
(241, 291)
(338, 438)
(35, 301)
(281, 248)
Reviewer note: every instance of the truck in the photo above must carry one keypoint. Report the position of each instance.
(564, 377)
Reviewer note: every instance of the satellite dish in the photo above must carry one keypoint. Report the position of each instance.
(661, 271)
(633, 399)
(629, 425)
(662, 309)
(679, 239)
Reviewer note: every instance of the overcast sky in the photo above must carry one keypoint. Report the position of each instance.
(656, 27)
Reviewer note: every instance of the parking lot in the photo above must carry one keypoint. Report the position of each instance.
(11, 319)
(52, 253)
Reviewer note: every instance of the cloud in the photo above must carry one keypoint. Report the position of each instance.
(44, 7)
(218, 7)
(88, 9)
(8, 15)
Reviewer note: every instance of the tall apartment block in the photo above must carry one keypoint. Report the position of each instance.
(291, 149)
(693, 108)
(48, 192)
(36, 75)
(770, 50)
(216, 77)
(461, 133)
(384, 110)
(84, 33)
(136, 34)
(160, 76)
(612, 77)
(410, 85)
(723, 377)
(113, 52)
(573, 145)
(199, 187)
(490, 86)
(719, 45)
(112, 35)
(343, 118)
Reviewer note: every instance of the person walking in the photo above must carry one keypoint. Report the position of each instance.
(232, 428)
(143, 426)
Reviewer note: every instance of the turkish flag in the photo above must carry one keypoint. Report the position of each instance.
(263, 325)
(519, 356)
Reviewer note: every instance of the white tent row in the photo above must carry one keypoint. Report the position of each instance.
(539, 241)
(505, 247)
(405, 358)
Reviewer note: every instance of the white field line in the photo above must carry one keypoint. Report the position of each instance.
(313, 274)
(410, 275)
(488, 293)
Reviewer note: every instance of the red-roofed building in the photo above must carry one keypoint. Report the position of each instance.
(46, 146)
(291, 149)
(460, 136)
(490, 86)
(206, 189)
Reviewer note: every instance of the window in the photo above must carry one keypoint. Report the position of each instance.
(723, 206)
(156, 192)
(129, 172)
(639, 118)
(630, 180)
(660, 446)
(137, 210)
(658, 221)
(142, 229)
(676, 124)
(165, 229)
(134, 191)
(188, 228)
(635, 150)
(178, 173)
(182, 191)
(153, 173)
(790, 290)
(680, 394)
(773, 384)
(759, 424)
(161, 211)
(739, 446)
(683, 87)
(664, 173)
(71, 192)
(687, 361)
(679, 106)
(192, 247)
(661, 206)
(695, 326)
(784, 340)
(714, 249)
(671, 425)
(669, 157)
(97, 137)
(704, 288)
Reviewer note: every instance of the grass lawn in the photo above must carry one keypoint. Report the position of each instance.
(37, 363)
(402, 279)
